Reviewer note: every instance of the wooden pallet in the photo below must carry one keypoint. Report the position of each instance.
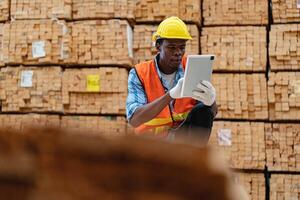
(285, 11)
(284, 186)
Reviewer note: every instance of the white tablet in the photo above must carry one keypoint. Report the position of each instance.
(198, 68)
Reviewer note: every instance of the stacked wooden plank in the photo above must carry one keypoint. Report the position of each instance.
(284, 186)
(286, 11)
(91, 9)
(284, 96)
(253, 183)
(284, 48)
(235, 12)
(283, 147)
(158, 10)
(41, 9)
(242, 143)
(1, 45)
(95, 91)
(103, 42)
(240, 48)
(144, 48)
(36, 42)
(4, 10)
(107, 125)
(24, 122)
(31, 89)
(241, 96)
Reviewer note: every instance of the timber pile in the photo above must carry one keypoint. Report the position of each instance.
(286, 11)
(235, 12)
(242, 143)
(107, 125)
(36, 42)
(158, 10)
(4, 10)
(240, 48)
(105, 42)
(282, 147)
(25, 122)
(143, 46)
(41, 9)
(284, 48)
(241, 96)
(103, 9)
(31, 89)
(95, 91)
(254, 184)
(284, 186)
(284, 96)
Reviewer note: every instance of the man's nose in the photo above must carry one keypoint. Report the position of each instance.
(178, 52)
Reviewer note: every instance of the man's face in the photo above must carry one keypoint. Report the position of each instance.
(171, 52)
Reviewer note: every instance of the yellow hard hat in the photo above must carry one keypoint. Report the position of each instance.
(172, 28)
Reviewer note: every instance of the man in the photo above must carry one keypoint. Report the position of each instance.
(154, 103)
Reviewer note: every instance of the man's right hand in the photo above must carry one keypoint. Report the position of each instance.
(175, 92)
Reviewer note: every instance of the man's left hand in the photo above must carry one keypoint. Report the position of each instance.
(205, 92)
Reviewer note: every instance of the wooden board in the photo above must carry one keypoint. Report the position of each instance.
(106, 125)
(235, 12)
(104, 42)
(241, 96)
(103, 9)
(144, 48)
(4, 10)
(31, 89)
(104, 94)
(158, 10)
(284, 48)
(284, 95)
(242, 143)
(282, 147)
(286, 11)
(241, 48)
(41, 9)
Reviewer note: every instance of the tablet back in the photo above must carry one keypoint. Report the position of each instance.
(198, 68)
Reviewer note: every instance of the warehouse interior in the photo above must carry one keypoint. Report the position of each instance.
(64, 66)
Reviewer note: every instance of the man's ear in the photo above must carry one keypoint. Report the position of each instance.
(158, 46)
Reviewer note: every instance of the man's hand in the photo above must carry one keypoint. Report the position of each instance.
(175, 92)
(205, 92)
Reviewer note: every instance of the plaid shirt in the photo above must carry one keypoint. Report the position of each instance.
(136, 94)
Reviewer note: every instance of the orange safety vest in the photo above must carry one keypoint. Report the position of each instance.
(154, 89)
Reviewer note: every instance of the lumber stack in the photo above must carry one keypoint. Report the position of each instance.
(285, 11)
(242, 143)
(241, 96)
(253, 183)
(282, 147)
(4, 10)
(95, 91)
(240, 48)
(158, 10)
(31, 89)
(284, 186)
(41, 9)
(104, 42)
(235, 12)
(26, 121)
(36, 42)
(144, 48)
(107, 125)
(108, 9)
(284, 48)
(284, 95)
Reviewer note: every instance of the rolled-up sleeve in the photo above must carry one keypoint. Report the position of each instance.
(136, 94)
